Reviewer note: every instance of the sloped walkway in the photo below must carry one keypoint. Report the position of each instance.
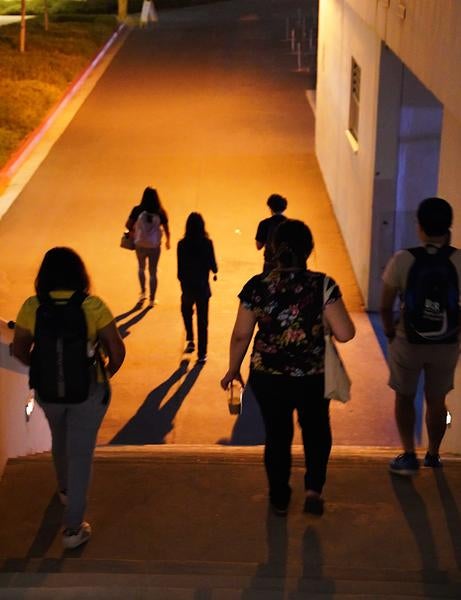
(207, 107)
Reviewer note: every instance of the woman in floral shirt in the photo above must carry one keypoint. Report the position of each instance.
(287, 361)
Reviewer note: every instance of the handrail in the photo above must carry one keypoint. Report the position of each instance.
(10, 324)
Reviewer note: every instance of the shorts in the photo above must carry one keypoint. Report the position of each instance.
(406, 361)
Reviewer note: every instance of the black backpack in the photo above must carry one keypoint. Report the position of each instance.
(61, 370)
(431, 298)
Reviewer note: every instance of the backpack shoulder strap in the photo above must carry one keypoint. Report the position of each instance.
(77, 298)
(45, 299)
(446, 251)
(420, 251)
(417, 252)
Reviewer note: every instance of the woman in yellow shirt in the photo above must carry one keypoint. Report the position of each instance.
(74, 426)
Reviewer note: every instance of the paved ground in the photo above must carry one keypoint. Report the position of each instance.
(175, 524)
(207, 108)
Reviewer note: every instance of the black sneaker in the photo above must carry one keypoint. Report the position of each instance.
(314, 505)
(432, 460)
(280, 509)
(404, 464)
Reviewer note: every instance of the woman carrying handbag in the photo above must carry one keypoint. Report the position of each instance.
(288, 360)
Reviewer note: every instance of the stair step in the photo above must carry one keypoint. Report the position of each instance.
(212, 585)
(151, 593)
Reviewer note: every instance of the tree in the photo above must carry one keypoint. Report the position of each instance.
(122, 9)
(22, 31)
(45, 15)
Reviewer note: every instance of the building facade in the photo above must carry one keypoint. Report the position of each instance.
(388, 128)
(388, 121)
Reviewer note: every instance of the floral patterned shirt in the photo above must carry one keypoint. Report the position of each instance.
(289, 309)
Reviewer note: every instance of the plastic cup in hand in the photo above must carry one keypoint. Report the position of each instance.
(235, 398)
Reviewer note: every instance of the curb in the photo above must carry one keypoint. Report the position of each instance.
(25, 150)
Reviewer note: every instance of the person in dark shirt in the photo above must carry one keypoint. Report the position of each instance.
(289, 309)
(196, 259)
(266, 228)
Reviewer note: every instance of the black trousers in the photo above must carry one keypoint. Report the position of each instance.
(188, 299)
(278, 397)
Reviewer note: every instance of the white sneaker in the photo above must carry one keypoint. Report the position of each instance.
(72, 538)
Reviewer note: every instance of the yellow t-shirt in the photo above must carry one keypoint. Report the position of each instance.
(96, 312)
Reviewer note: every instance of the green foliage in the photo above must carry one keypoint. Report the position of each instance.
(67, 7)
(32, 82)
(57, 9)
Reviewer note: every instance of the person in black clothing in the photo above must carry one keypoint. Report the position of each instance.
(148, 250)
(196, 259)
(266, 228)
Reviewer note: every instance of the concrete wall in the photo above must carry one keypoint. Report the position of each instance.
(424, 34)
(450, 171)
(18, 437)
(348, 169)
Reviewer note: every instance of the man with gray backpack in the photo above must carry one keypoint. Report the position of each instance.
(425, 339)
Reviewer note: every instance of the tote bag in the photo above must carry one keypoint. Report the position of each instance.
(337, 381)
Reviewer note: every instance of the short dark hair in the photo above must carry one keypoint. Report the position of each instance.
(277, 203)
(292, 243)
(61, 269)
(435, 216)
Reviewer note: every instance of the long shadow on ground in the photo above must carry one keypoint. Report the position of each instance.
(124, 328)
(153, 421)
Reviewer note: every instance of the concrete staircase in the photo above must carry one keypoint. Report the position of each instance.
(223, 582)
(192, 524)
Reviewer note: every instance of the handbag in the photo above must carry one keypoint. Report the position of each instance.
(337, 381)
(127, 241)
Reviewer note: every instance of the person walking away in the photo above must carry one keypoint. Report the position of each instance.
(146, 223)
(425, 339)
(148, 13)
(287, 361)
(60, 334)
(277, 205)
(196, 258)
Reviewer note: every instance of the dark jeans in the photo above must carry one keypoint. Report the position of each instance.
(188, 299)
(151, 256)
(278, 397)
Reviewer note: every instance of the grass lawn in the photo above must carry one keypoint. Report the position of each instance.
(93, 7)
(67, 7)
(30, 83)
